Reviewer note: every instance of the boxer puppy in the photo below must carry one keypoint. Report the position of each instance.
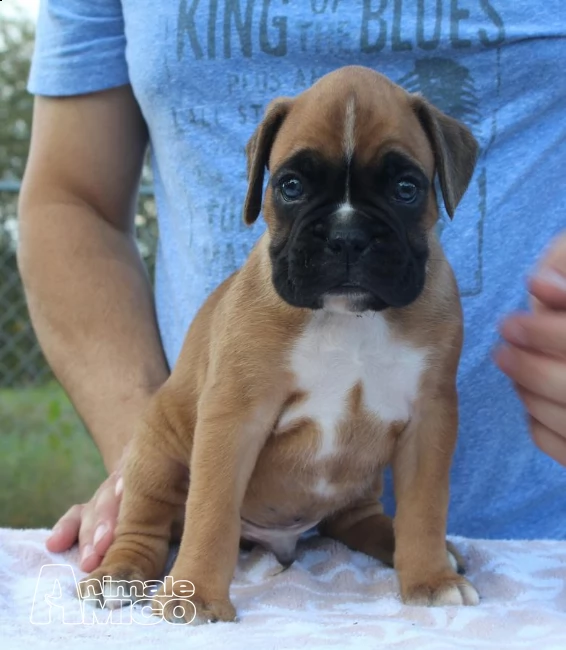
(332, 352)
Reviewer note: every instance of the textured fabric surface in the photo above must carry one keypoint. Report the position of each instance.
(330, 598)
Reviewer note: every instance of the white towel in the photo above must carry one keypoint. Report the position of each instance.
(330, 598)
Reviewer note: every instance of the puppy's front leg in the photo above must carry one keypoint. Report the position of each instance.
(226, 445)
(421, 470)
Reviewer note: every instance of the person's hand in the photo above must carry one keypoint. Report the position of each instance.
(534, 356)
(92, 524)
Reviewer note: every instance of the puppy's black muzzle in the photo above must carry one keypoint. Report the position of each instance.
(349, 252)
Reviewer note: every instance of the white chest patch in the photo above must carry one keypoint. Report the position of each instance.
(338, 350)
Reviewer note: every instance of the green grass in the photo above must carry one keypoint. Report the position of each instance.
(48, 462)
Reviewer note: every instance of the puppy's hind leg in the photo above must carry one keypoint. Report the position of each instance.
(363, 527)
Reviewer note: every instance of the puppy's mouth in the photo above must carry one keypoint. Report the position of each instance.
(347, 288)
(351, 297)
(352, 290)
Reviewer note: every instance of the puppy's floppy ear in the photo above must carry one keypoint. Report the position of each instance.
(258, 150)
(455, 151)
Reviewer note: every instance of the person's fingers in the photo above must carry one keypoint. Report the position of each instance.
(66, 531)
(89, 559)
(545, 332)
(544, 376)
(547, 283)
(550, 414)
(548, 288)
(548, 441)
(107, 508)
(99, 522)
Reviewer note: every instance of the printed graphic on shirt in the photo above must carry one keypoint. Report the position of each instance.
(269, 42)
(221, 29)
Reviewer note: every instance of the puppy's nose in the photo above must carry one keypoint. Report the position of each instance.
(349, 242)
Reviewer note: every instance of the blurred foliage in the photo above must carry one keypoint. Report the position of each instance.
(16, 46)
(48, 461)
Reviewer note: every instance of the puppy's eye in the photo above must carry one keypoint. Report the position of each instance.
(291, 188)
(406, 191)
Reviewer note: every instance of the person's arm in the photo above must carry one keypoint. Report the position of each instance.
(87, 289)
(535, 354)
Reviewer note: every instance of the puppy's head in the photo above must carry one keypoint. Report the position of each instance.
(350, 202)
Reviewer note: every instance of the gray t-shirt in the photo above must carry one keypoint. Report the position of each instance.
(203, 71)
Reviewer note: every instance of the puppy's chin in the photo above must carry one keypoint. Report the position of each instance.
(351, 302)
(347, 301)
(342, 300)
(344, 304)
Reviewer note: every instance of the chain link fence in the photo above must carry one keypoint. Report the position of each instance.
(47, 459)
(21, 361)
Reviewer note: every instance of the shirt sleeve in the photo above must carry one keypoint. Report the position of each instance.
(80, 48)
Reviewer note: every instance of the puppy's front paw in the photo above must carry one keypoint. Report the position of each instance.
(194, 610)
(113, 586)
(440, 591)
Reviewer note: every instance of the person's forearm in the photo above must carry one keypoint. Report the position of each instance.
(92, 308)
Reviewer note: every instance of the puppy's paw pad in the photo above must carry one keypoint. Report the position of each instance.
(112, 587)
(442, 593)
(214, 611)
(194, 611)
(174, 610)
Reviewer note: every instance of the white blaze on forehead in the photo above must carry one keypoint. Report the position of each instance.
(349, 144)
(349, 139)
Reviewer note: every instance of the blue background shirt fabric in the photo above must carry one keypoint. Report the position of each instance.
(203, 72)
